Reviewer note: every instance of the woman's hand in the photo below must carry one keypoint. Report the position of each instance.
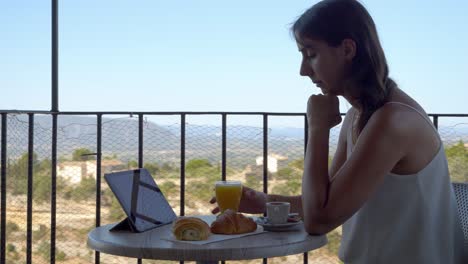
(252, 202)
(323, 111)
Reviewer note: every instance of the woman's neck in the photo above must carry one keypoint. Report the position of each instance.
(354, 100)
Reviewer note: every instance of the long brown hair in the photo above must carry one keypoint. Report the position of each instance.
(335, 20)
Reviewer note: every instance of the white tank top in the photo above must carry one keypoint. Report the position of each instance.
(409, 219)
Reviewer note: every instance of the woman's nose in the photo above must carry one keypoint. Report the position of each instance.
(305, 69)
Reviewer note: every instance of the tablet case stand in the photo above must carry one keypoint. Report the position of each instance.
(126, 224)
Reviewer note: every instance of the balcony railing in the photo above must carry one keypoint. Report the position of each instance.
(52, 161)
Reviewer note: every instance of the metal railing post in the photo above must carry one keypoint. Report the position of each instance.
(223, 147)
(55, 54)
(97, 255)
(3, 155)
(30, 188)
(140, 151)
(53, 198)
(182, 165)
(265, 160)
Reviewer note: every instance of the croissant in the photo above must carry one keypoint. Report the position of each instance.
(231, 223)
(190, 228)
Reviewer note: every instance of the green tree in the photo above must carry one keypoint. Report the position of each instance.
(195, 164)
(167, 167)
(170, 170)
(201, 176)
(132, 164)
(169, 189)
(79, 154)
(45, 166)
(85, 190)
(111, 157)
(291, 187)
(44, 250)
(457, 158)
(252, 182)
(42, 188)
(116, 213)
(11, 227)
(152, 168)
(297, 164)
(18, 171)
(288, 173)
(201, 168)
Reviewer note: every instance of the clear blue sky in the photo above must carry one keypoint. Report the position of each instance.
(214, 55)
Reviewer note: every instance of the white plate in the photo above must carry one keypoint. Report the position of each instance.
(277, 227)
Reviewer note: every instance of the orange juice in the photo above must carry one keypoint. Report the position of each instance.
(228, 194)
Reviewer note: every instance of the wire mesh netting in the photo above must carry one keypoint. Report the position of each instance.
(77, 147)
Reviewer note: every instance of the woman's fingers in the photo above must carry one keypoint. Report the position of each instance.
(215, 210)
(323, 111)
(213, 200)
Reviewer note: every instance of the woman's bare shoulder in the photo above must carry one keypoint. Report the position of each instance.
(412, 132)
(401, 117)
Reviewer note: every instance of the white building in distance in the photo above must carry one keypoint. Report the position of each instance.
(75, 171)
(272, 160)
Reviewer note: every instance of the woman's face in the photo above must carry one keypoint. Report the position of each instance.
(325, 65)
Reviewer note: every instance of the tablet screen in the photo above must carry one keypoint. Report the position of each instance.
(140, 198)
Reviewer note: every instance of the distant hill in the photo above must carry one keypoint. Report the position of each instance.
(162, 142)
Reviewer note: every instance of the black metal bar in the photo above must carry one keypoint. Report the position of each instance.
(265, 153)
(265, 160)
(97, 254)
(140, 150)
(223, 150)
(3, 188)
(14, 111)
(182, 164)
(140, 140)
(30, 188)
(306, 137)
(182, 167)
(436, 121)
(54, 81)
(53, 198)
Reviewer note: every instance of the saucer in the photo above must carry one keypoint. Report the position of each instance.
(263, 221)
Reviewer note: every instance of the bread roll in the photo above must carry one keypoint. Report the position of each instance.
(190, 228)
(230, 223)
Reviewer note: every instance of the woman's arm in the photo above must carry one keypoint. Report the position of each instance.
(338, 159)
(254, 202)
(328, 203)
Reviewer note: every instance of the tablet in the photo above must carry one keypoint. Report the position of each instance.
(140, 198)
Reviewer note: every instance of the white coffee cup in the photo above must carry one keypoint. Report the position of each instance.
(277, 212)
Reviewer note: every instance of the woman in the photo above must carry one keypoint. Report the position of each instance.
(388, 184)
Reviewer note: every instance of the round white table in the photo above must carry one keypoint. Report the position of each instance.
(149, 245)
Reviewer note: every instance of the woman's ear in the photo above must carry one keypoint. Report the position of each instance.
(349, 48)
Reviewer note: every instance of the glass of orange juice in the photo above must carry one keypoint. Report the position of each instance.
(228, 195)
